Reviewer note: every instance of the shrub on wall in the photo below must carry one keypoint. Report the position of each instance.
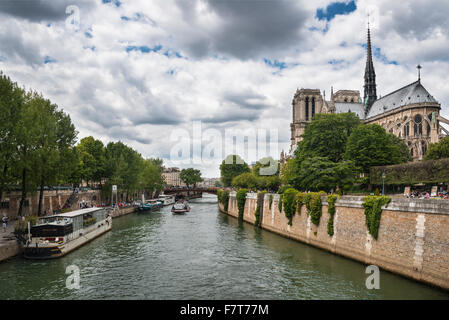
(223, 198)
(373, 212)
(299, 201)
(241, 199)
(312, 201)
(289, 203)
(280, 203)
(259, 207)
(331, 210)
(271, 200)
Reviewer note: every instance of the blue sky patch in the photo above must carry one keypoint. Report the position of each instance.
(377, 52)
(88, 35)
(116, 2)
(49, 59)
(143, 49)
(334, 9)
(275, 64)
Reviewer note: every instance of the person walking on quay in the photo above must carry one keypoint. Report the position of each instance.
(4, 222)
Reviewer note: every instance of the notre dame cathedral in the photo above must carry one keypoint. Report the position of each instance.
(411, 112)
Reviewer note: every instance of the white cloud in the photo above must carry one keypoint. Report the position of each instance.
(203, 60)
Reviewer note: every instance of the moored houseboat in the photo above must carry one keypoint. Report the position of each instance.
(167, 199)
(55, 236)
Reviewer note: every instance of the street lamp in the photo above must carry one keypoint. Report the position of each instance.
(383, 183)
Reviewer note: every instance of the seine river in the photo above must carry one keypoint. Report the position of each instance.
(201, 255)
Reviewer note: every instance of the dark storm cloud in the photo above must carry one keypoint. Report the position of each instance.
(420, 20)
(41, 10)
(234, 116)
(248, 100)
(249, 27)
(13, 46)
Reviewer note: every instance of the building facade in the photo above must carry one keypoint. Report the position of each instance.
(171, 177)
(411, 112)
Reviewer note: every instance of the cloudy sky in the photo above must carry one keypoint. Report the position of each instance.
(146, 72)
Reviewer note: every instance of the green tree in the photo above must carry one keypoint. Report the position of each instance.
(151, 176)
(245, 180)
(370, 145)
(190, 176)
(231, 167)
(321, 174)
(55, 134)
(289, 172)
(326, 136)
(438, 150)
(11, 101)
(92, 156)
(268, 165)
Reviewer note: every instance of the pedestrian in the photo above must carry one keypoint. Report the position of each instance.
(4, 222)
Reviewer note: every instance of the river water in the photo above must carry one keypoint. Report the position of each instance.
(201, 255)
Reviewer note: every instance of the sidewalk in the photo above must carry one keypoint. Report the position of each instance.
(9, 246)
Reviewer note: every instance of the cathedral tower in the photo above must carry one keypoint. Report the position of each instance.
(370, 78)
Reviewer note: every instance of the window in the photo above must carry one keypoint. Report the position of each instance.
(307, 108)
(4, 205)
(424, 147)
(428, 129)
(313, 107)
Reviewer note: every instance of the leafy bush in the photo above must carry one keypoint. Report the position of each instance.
(259, 207)
(313, 204)
(241, 200)
(223, 198)
(373, 212)
(289, 202)
(331, 210)
(427, 172)
(299, 201)
(280, 203)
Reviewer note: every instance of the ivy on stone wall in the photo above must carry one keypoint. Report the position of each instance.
(259, 207)
(289, 202)
(373, 212)
(241, 200)
(299, 201)
(331, 210)
(312, 201)
(223, 198)
(280, 202)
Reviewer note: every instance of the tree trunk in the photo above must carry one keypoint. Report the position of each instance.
(2, 185)
(24, 192)
(41, 197)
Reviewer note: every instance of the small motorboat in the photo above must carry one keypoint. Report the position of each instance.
(150, 205)
(180, 207)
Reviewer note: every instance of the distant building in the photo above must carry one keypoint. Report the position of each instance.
(208, 182)
(171, 177)
(411, 112)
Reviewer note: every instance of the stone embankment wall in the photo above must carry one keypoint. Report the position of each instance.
(51, 201)
(413, 236)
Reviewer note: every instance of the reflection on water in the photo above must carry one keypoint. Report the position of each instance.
(200, 255)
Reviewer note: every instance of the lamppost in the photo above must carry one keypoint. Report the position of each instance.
(383, 183)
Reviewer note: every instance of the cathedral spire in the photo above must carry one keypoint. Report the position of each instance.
(370, 77)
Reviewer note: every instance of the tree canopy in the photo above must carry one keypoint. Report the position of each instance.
(190, 176)
(438, 150)
(231, 167)
(370, 145)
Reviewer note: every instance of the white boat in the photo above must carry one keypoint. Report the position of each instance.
(55, 236)
(167, 199)
(180, 207)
